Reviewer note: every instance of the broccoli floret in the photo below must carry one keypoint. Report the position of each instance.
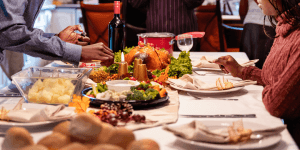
(151, 92)
(126, 78)
(143, 85)
(138, 95)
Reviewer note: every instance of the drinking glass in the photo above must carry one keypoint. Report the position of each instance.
(185, 42)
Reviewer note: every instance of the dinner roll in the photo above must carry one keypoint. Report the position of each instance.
(55, 141)
(17, 138)
(62, 128)
(122, 137)
(107, 147)
(75, 146)
(35, 147)
(85, 127)
(144, 144)
(107, 131)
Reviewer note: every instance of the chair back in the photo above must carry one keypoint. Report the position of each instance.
(210, 21)
(135, 23)
(96, 19)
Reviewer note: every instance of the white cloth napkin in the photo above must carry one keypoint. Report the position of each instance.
(188, 81)
(49, 113)
(205, 62)
(197, 131)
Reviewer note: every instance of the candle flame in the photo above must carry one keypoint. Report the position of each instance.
(122, 57)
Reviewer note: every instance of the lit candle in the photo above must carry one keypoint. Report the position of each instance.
(122, 57)
(123, 66)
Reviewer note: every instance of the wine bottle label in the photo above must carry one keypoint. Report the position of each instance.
(117, 7)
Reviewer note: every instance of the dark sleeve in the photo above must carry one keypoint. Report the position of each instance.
(138, 3)
(15, 36)
(191, 4)
(252, 73)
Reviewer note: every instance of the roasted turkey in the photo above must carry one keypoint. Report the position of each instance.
(153, 58)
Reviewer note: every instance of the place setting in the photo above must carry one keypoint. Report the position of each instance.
(209, 85)
(237, 134)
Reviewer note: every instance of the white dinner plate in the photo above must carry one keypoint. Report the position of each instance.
(23, 124)
(207, 91)
(251, 144)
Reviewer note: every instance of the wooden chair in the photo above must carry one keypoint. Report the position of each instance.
(210, 21)
(96, 19)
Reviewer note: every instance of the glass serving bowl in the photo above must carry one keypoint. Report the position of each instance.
(50, 85)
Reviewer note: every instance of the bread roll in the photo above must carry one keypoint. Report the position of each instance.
(85, 127)
(17, 138)
(89, 145)
(145, 144)
(107, 131)
(62, 128)
(122, 137)
(75, 146)
(107, 147)
(55, 141)
(35, 147)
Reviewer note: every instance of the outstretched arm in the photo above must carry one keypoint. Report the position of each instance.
(15, 36)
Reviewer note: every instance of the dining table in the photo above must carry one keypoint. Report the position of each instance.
(245, 104)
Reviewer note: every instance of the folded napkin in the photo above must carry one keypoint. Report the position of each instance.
(188, 81)
(197, 131)
(49, 113)
(206, 62)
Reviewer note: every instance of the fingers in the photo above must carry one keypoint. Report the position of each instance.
(82, 43)
(75, 27)
(105, 49)
(84, 39)
(105, 54)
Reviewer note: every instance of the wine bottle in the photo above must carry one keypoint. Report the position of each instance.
(116, 29)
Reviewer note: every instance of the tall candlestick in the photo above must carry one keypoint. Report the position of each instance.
(136, 67)
(123, 69)
(142, 75)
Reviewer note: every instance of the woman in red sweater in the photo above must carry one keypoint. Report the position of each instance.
(280, 74)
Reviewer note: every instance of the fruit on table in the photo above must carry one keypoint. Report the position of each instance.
(132, 78)
(153, 58)
(83, 65)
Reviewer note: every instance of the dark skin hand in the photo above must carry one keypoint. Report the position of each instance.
(98, 51)
(69, 35)
(230, 65)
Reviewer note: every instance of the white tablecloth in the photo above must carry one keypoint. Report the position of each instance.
(249, 101)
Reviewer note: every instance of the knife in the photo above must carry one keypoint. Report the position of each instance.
(11, 95)
(221, 116)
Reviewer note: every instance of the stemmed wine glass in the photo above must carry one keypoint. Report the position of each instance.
(185, 42)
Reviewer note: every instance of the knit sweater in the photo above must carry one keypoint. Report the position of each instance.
(280, 74)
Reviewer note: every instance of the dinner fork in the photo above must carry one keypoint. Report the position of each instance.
(209, 98)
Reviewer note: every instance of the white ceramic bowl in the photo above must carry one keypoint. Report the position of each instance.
(121, 85)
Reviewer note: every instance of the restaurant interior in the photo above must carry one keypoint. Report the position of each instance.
(154, 95)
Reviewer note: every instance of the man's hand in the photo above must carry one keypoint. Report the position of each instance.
(230, 65)
(69, 35)
(97, 51)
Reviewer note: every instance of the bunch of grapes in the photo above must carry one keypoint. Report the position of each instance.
(112, 113)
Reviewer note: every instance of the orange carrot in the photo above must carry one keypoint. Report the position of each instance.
(163, 92)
